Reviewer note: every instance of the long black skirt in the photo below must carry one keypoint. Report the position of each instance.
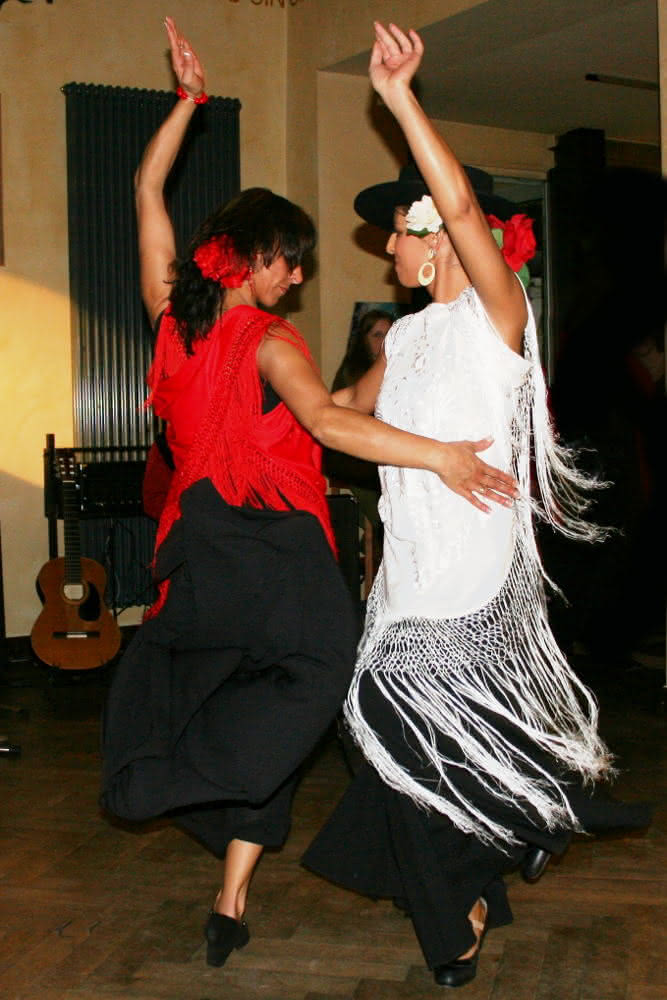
(379, 843)
(221, 696)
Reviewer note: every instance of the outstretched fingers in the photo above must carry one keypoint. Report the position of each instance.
(384, 43)
(480, 491)
(495, 481)
(184, 59)
(476, 481)
(472, 498)
(395, 55)
(394, 41)
(175, 44)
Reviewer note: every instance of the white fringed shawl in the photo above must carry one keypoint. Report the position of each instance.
(449, 671)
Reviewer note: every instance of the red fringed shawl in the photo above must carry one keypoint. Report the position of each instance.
(212, 401)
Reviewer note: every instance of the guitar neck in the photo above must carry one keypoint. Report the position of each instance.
(72, 534)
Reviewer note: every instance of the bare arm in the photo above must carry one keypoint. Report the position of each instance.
(157, 248)
(394, 61)
(363, 394)
(356, 433)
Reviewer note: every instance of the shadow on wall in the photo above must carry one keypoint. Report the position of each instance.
(24, 550)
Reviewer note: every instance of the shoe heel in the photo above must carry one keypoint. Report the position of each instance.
(216, 956)
(223, 935)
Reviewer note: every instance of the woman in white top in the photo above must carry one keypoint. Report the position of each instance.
(479, 735)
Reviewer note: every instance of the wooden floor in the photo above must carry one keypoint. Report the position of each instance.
(93, 911)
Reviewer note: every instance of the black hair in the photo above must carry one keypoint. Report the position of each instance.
(259, 223)
(358, 358)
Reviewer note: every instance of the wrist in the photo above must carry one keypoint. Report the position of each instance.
(400, 99)
(440, 458)
(200, 98)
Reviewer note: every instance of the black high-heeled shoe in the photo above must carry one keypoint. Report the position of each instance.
(463, 970)
(533, 865)
(223, 934)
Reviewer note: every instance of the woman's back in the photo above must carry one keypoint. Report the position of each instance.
(184, 388)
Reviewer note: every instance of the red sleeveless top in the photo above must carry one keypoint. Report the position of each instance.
(212, 402)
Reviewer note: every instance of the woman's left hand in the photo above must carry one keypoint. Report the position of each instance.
(184, 61)
(395, 59)
(464, 473)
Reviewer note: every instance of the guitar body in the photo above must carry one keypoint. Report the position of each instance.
(75, 630)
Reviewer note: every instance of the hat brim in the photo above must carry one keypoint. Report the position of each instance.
(376, 204)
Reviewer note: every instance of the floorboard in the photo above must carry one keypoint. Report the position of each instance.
(94, 910)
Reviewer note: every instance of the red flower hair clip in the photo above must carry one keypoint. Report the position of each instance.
(218, 260)
(516, 240)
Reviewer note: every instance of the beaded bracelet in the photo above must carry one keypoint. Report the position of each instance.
(184, 96)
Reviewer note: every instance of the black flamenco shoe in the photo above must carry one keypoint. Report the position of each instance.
(223, 934)
(533, 865)
(461, 971)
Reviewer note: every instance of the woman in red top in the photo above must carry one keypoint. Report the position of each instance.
(245, 658)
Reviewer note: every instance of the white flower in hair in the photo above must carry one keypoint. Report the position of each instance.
(422, 217)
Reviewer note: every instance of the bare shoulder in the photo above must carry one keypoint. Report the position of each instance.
(282, 347)
(282, 331)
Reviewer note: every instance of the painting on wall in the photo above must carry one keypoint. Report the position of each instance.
(395, 309)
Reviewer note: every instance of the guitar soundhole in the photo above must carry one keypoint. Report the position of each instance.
(90, 608)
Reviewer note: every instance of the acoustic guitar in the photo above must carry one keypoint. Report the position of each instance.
(75, 630)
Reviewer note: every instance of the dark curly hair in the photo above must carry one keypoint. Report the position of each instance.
(358, 358)
(258, 222)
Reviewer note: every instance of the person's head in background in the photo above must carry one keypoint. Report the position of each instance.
(373, 328)
(363, 346)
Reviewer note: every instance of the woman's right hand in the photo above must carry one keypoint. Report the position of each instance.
(395, 58)
(187, 68)
(464, 473)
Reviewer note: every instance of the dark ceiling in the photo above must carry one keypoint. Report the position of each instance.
(522, 64)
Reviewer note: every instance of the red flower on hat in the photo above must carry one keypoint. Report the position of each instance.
(518, 239)
(218, 260)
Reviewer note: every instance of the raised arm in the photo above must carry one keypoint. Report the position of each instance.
(157, 248)
(394, 61)
(358, 434)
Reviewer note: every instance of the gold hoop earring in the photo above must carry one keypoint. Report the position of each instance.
(426, 272)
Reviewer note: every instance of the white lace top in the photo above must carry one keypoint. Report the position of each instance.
(451, 377)
(456, 632)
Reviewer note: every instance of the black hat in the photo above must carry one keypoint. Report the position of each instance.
(376, 204)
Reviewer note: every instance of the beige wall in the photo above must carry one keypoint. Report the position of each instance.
(122, 43)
